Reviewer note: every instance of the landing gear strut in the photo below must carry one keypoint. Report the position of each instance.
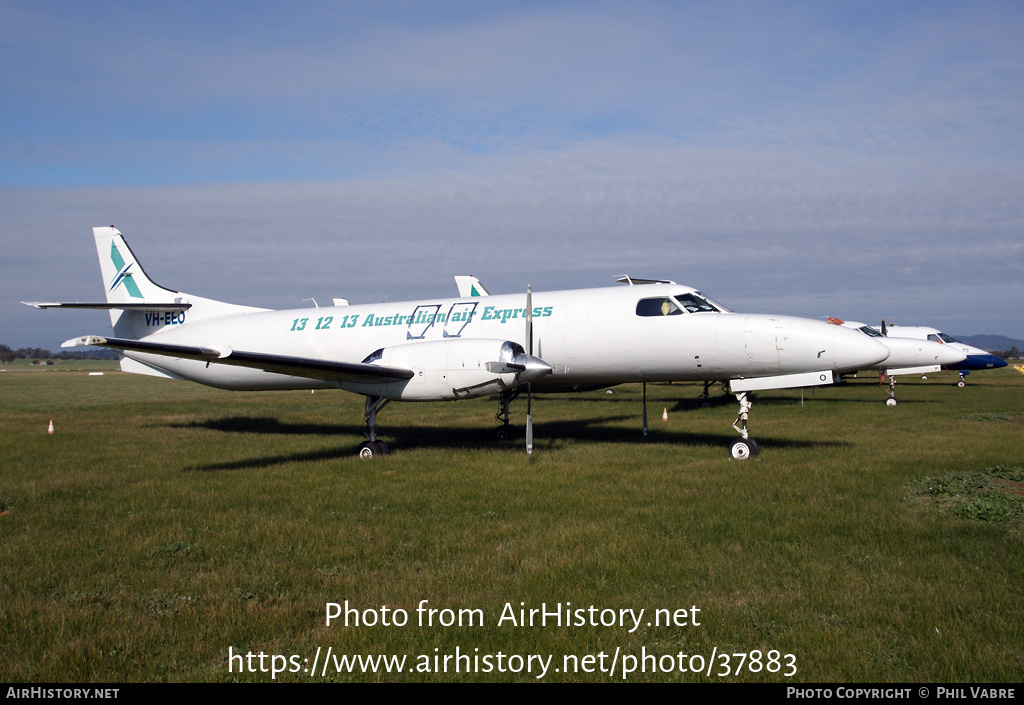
(505, 431)
(892, 400)
(371, 447)
(645, 410)
(745, 447)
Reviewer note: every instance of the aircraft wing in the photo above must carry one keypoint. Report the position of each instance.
(281, 364)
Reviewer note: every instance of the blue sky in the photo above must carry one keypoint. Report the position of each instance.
(855, 159)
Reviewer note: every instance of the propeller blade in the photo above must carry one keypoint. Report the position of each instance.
(529, 319)
(529, 385)
(529, 420)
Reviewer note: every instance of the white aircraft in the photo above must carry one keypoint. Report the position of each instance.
(975, 358)
(445, 349)
(907, 356)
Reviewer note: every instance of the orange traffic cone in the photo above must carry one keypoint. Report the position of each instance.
(50, 429)
(664, 414)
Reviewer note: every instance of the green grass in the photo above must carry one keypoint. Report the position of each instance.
(164, 522)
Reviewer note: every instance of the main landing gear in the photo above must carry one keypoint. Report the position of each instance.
(705, 395)
(505, 431)
(746, 447)
(371, 448)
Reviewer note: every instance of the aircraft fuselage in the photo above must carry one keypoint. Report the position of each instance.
(590, 337)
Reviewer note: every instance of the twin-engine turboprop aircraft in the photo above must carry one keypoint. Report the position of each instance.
(445, 349)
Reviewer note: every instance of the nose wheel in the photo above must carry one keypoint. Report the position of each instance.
(744, 449)
(892, 400)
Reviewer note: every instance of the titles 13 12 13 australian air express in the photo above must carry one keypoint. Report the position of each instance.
(446, 349)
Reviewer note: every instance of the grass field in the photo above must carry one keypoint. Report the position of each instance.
(164, 523)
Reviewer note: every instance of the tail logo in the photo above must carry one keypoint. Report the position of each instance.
(122, 276)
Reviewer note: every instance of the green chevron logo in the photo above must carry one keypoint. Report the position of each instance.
(122, 276)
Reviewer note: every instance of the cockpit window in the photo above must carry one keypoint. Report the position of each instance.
(698, 303)
(661, 306)
(948, 338)
(868, 330)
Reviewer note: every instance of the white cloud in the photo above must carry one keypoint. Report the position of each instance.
(774, 155)
(740, 226)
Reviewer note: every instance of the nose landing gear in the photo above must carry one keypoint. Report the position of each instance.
(746, 447)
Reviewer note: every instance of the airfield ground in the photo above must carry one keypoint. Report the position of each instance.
(167, 531)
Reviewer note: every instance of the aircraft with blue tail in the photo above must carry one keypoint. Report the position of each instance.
(974, 358)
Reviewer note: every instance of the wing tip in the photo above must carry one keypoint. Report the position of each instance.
(84, 340)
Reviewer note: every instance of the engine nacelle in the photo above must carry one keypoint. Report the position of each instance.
(456, 368)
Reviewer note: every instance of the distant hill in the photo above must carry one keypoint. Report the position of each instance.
(991, 342)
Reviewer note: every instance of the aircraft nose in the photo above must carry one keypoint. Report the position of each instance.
(986, 362)
(852, 350)
(948, 355)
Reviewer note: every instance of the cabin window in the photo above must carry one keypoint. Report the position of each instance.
(662, 306)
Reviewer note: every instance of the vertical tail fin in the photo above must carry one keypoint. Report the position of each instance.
(138, 307)
(470, 286)
(149, 306)
(125, 280)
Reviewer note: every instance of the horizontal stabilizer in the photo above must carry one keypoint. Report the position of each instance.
(280, 364)
(147, 307)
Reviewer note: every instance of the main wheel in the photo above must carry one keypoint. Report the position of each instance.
(891, 401)
(372, 449)
(743, 449)
(504, 433)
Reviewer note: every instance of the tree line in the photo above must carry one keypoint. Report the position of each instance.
(9, 355)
